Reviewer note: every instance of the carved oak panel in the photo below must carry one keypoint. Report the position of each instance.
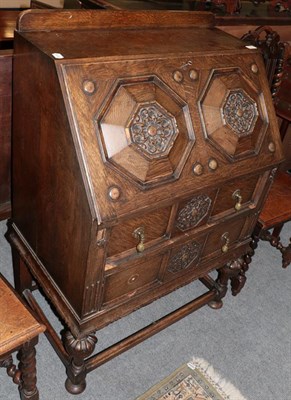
(183, 258)
(233, 114)
(145, 130)
(153, 130)
(240, 112)
(193, 212)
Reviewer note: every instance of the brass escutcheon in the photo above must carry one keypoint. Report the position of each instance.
(139, 234)
(238, 198)
(225, 238)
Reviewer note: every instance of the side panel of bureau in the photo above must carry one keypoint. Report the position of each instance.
(49, 188)
(5, 131)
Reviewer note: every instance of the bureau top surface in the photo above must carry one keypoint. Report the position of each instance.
(134, 42)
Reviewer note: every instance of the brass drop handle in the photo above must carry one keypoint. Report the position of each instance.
(238, 198)
(225, 238)
(139, 234)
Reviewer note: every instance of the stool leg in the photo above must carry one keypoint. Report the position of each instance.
(277, 230)
(27, 367)
(11, 369)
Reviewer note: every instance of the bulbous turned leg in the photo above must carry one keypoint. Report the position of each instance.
(226, 273)
(247, 258)
(27, 368)
(79, 349)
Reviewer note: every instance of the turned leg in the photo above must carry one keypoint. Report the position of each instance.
(274, 240)
(27, 367)
(78, 349)
(238, 281)
(228, 272)
(11, 369)
(22, 276)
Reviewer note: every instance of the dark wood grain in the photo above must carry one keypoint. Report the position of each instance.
(73, 19)
(5, 131)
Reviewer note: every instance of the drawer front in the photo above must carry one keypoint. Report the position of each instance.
(236, 195)
(131, 279)
(223, 237)
(127, 234)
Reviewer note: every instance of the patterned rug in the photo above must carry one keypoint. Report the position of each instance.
(196, 380)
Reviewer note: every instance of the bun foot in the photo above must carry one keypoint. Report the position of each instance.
(215, 304)
(74, 388)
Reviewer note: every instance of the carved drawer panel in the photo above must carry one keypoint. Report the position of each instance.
(128, 234)
(127, 280)
(223, 237)
(184, 258)
(236, 195)
(194, 211)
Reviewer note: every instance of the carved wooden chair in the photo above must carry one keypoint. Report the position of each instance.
(277, 209)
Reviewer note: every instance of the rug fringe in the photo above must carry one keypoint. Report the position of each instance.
(223, 387)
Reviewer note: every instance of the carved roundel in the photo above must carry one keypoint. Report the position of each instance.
(183, 258)
(193, 212)
(233, 113)
(153, 129)
(240, 112)
(145, 131)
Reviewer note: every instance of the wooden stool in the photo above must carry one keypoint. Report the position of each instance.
(19, 331)
(276, 212)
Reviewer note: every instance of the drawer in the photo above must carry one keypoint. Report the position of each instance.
(223, 237)
(129, 279)
(153, 225)
(236, 195)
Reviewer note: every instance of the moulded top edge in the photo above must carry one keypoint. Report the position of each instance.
(43, 20)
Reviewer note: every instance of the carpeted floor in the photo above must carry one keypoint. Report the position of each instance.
(248, 341)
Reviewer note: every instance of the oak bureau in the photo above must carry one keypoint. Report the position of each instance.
(144, 144)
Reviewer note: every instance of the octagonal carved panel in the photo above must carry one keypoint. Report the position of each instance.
(233, 113)
(193, 212)
(145, 131)
(183, 258)
(153, 129)
(240, 112)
